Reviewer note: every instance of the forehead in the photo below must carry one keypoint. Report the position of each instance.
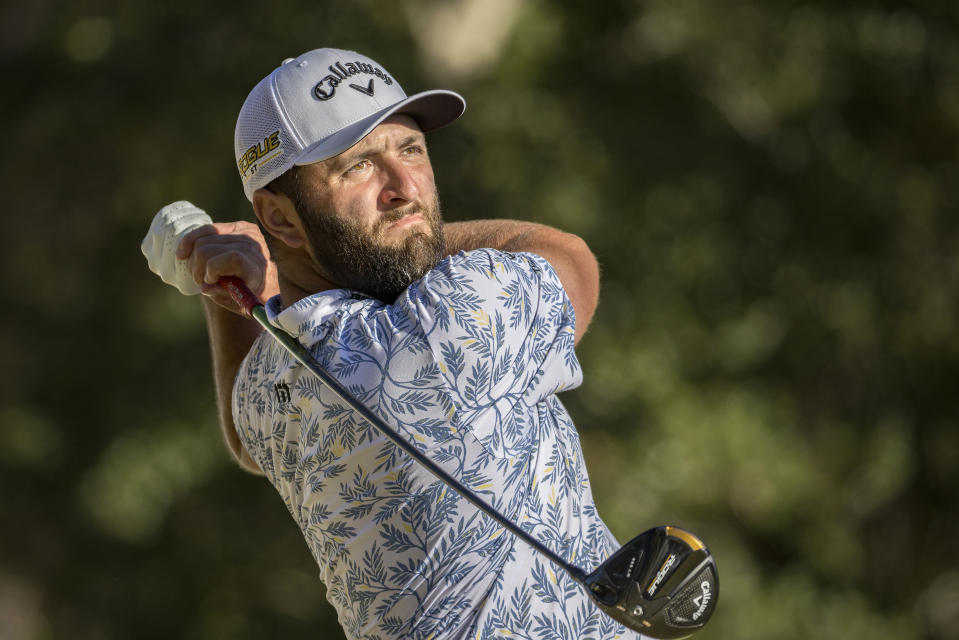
(403, 120)
(394, 130)
(398, 127)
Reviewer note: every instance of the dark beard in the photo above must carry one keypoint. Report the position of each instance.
(352, 258)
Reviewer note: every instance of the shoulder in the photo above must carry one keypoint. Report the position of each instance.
(488, 290)
(470, 269)
(483, 281)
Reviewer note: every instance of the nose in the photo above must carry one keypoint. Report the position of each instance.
(401, 185)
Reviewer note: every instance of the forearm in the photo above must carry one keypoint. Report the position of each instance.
(505, 235)
(231, 337)
(568, 254)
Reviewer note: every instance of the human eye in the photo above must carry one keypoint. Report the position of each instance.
(414, 150)
(357, 167)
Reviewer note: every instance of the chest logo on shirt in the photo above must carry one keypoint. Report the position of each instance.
(282, 392)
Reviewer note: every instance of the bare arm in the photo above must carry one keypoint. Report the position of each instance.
(229, 249)
(231, 337)
(568, 254)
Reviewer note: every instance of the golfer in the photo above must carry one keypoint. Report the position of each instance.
(459, 335)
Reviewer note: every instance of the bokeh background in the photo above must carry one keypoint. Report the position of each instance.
(770, 186)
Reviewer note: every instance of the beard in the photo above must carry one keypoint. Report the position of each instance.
(357, 258)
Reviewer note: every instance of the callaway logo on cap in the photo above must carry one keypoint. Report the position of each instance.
(320, 104)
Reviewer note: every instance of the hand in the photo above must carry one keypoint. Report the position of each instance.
(188, 251)
(238, 249)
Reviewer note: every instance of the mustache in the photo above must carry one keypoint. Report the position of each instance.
(395, 215)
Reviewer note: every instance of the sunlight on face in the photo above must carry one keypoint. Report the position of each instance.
(374, 224)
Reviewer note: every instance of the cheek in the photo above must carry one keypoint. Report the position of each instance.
(357, 209)
(426, 180)
(430, 197)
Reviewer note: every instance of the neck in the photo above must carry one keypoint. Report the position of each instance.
(299, 277)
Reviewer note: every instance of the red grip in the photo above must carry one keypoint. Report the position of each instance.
(240, 293)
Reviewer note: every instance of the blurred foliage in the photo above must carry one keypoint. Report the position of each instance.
(770, 188)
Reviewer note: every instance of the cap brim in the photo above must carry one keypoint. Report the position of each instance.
(430, 109)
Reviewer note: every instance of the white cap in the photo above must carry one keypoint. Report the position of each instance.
(320, 104)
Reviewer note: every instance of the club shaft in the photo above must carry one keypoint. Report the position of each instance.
(252, 305)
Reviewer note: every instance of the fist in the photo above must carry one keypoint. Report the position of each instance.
(222, 249)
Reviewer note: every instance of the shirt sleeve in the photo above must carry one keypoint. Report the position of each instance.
(501, 329)
(252, 407)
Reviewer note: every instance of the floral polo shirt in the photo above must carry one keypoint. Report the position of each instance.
(465, 365)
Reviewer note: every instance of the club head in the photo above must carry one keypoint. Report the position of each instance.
(662, 583)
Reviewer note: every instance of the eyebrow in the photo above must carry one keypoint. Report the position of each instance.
(348, 157)
(413, 138)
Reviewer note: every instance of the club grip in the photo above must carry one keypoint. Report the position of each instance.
(240, 293)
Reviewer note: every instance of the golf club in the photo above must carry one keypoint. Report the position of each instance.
(662, 583)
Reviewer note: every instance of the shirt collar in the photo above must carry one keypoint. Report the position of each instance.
(306, 319)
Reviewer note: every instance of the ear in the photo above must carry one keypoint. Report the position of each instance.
(278, 216)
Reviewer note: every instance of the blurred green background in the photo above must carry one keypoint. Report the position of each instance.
(770, 187)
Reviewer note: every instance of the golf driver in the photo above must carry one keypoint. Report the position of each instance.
(662, 583)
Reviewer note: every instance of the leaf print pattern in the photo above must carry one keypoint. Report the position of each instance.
(466, 366)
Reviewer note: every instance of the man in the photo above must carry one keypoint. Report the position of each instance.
(459, 335)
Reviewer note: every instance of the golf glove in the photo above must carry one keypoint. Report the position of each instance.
(170, 224)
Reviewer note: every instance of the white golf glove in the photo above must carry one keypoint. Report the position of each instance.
(170, 224)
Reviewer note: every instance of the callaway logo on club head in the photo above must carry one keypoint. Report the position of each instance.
(340, 72)
(702, 601)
